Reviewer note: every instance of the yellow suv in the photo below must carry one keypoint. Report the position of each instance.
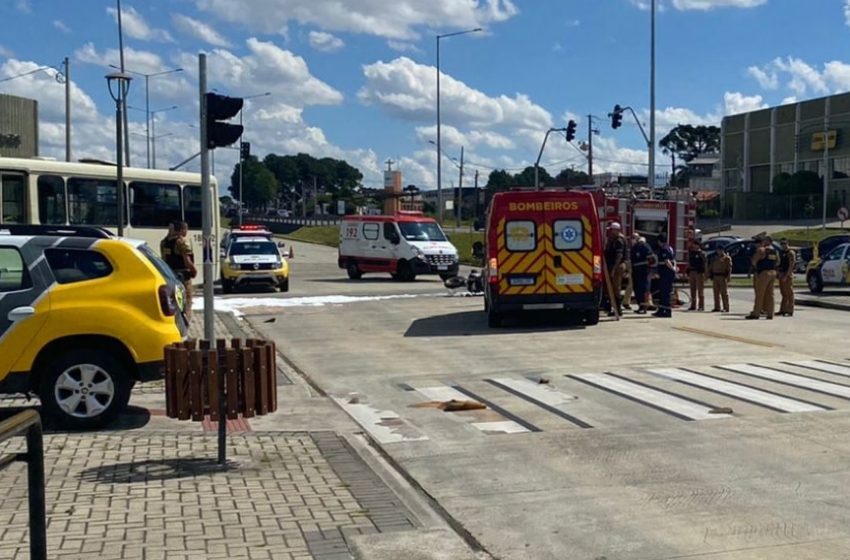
(83, 316)
(253, 260)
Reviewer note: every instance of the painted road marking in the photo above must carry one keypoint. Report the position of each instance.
(493, 406)
(791, 379)
(385, 426)
(725, 336)
(677, 406)
(544, 396)
(742, 392)
(444, 393)
(821, 365)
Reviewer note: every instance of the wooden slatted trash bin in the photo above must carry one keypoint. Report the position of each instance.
(195, 369)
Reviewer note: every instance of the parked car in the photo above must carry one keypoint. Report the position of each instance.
(742, 252)
(831, 270)
(711, 245)
(83, 316)
(824, 246)
(253, 260)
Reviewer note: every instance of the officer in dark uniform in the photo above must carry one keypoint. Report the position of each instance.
(785, 274)
(666, 272)
(640, 253)
(177, 254)
(766, 262)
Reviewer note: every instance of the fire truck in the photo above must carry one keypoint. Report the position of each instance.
(674, 216)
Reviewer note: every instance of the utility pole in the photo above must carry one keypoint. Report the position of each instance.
(315, 198)
(652, 109)
(590, 147)
(475, 209)
(459, 190)
(67, 109)
(125, 123)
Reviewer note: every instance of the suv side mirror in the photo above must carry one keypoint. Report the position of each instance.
(478, 250)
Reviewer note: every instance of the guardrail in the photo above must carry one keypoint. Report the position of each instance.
(316, 221)
(28, 423)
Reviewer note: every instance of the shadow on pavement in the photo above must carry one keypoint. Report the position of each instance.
(474, 323)
(132, 418)
(146, 471)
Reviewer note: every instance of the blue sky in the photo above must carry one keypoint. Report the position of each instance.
(358, 82)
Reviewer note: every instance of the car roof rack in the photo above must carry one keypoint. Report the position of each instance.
(57, 231)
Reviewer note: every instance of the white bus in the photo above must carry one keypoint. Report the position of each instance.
(48, 192)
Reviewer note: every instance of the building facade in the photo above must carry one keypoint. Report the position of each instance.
(810, 135)
(18, 127)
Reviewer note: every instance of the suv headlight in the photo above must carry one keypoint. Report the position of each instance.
(419, 254)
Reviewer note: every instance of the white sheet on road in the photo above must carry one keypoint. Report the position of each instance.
(237, 304)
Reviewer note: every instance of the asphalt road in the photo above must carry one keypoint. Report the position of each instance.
(705, 436)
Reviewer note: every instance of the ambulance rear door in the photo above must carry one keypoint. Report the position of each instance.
(568, 235)
(521, 252)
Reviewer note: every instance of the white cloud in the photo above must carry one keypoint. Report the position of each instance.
(402, 46)
(135, 26)
(60, 25)
(325, 42)
(766, 78)
(454, 138)
(847, 12)
(801, 77)
(735, 102)
(6, 53)
(400, 19)
(199, 30)
(711, 4)
(23, 6)
(837, 74)
(574, 23)
(789, 100)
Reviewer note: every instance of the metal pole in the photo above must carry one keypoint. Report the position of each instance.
(825, 166)
(152, 143)
(67, 109)
(475, 207)
(35, 481)
(148, 121)
(439, 149)
(459, 191)
(651, 179)
(119, 185)
(590, 147)
(206, 219)
(241, 165)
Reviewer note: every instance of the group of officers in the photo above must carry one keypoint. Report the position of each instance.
(653, 272)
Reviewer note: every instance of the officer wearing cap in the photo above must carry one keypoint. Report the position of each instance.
(616, 258)
(766, 260)
(785, 274)
(666, 273)
(177, 254)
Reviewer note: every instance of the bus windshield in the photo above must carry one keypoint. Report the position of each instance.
(421, 231)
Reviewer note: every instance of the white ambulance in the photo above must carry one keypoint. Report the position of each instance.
(404, 245)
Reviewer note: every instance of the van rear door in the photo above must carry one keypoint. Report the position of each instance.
(522, 254)
(570, 249)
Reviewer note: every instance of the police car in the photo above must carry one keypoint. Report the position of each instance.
(833, 269)
(83, 316)
(253, 261)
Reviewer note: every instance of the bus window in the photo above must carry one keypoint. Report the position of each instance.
(12, 190)
(192, 206)
(51, 200)
(153, 204)
(93, 202)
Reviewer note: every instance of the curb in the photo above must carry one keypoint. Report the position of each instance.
(823, 304)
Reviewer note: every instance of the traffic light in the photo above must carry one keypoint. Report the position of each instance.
(571, 130)
(245, 151)
(221, 108)
(617, 117)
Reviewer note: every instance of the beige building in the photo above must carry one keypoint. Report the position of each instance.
(757, 146)
(18, 126)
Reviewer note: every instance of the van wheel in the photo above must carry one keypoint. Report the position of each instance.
(404, 273)
(84, 389)
(494, 318)
(591, 317)
(353, 270)
(815, 282)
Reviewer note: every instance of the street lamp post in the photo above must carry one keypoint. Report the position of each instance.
(241, 162)
(119, 85)
(439, 129)
(652, 107)
(148, 112)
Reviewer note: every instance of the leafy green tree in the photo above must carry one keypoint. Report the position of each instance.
(805, 182)
(259, 187)
(526, 178)
(499, 180)
(782, 183)
(572, 178)
(688, 141)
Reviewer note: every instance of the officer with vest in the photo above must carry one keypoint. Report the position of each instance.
(785, 273)
(720, 272)
(177, 254)
(616, 262)
(766, 261)
(666, 273)
(696, 275)
(640, 253)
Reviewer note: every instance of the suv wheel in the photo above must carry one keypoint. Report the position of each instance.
(284, 284)
(84, 389)
(815, 282)
(226, 286)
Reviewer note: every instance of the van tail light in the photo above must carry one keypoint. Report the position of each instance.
(166, 301)
(493, 271)
(597, 267)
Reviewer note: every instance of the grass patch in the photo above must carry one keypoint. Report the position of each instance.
(805, 237)
(322, 235)
(463, 242)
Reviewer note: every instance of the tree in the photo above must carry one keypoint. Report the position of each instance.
(687, 142)
(572, 178)
(782, 183)
(526, 178)
(805, 182)
(499, 180)
(259, 188)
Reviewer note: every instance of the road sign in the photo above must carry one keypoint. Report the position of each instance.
(843, 213)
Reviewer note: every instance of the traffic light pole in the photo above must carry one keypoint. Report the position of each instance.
(540, 155)
(206, 209)
(590, 147)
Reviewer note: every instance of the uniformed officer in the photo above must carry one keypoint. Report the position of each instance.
(177, 254)
(720, 272)
(766, 260)
(696, 275)
(666, 273)
(640, 253)
(785, 273)
(616, 257)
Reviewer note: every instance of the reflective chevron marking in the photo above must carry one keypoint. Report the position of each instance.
(674, 405)
(739, 391)
(791, 379)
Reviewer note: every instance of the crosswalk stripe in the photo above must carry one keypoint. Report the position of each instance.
(742, 392)
(548, 400)
(792, 379)
(821, 365)
(445, 393)
(493, 406)
(676, 406)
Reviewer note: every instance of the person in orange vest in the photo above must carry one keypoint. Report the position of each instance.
(720, 272)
